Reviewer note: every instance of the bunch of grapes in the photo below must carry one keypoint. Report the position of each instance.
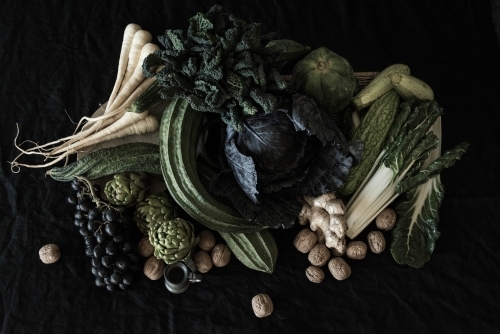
(107, 234)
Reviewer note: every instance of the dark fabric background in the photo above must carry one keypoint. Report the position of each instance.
(59, 59)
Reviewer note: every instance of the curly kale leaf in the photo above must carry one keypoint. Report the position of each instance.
(220, 64)
(199, 29)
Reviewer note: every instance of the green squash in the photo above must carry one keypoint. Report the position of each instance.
(327, 78)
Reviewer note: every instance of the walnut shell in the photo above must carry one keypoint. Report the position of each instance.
(305, 240)
(154, 268)
(315, 274)
(339, 268)
(376, 241)
(49, 253)
(386, 219)
(203, 261)
(356, 250)
(262, 305)
(319, 255)
(221, 254)
(145, 248)
(207, 240)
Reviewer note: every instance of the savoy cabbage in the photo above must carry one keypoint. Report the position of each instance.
(221, 64)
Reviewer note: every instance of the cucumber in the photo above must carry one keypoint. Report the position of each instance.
(372, 132)
(409, 87)
(179, 133)
(257, 250)
(380, 85)
(132, 157)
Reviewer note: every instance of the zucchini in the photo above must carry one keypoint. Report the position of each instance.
(179, 133)
(409, 87)
(132, 157)
(372, 132)
(380, 85)
(257, 250)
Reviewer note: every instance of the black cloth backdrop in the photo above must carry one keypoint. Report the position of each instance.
(58, 61)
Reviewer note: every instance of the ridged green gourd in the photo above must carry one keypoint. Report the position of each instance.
(327, 78)
(372, 132)
(257, 250)
(132, 157)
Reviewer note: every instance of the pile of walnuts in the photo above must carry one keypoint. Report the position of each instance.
(312, 243)
(210, 253)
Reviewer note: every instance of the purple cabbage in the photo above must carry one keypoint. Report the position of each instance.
(279, 157)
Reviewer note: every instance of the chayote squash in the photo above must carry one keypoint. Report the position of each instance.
(327, 78)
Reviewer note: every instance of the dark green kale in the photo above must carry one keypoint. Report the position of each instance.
(221, 65)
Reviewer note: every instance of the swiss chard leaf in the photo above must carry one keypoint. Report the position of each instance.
(447, 160)
(415, 235)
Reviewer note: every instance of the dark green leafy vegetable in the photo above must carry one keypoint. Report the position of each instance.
(409, 144)
(295, 151)
(221, 65)
(416, 231)
(435, 167)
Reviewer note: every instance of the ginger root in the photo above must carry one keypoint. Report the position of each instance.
(326, 212)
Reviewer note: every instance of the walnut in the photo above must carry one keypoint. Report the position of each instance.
(49, 253)
(145, 248)
(376, 241)
(154, 268)
(315, 274)
(305, 240)
(262, 305)
(319, 255)
(356, 250)
(207, 240)
(203, 261)
(386, 219)
(339, 268)
(221, 254)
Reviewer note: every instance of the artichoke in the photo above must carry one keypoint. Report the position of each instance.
(154, 208)
(172, 239)
(127, 189)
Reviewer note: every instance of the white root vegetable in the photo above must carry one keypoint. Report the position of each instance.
(100, 122)
(129, 124)
(135, 79)
(128, 36)
(141, 38)
(115, 122)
